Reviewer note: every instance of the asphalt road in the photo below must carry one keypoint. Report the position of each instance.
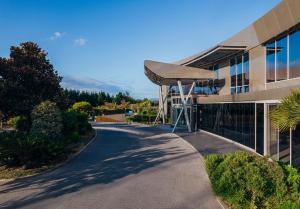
(126, 167)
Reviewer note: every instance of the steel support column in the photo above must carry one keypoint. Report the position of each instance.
(184, 101)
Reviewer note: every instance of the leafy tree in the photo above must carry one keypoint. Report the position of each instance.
(26, 79)
(287, 114)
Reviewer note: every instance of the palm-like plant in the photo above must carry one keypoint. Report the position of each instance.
(287, 114)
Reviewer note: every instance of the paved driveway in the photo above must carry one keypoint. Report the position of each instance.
(126, 167)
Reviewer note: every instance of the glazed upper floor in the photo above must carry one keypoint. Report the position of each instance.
(263, 57)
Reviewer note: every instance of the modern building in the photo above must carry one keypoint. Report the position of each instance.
(229, 89)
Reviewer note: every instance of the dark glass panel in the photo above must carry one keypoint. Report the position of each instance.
(234, 121)
(272, 138)
(216, 70)
(239, 70)
(246, 68)
(232, 90)
(239, 89)
(295, 54)
(260, 128)
(233, 72)
(246, 88)
(281, 59)
(270, 70)
(296, 147)
(284, 146)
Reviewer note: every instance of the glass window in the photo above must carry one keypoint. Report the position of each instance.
(281, 59)
(233, 72)
(284, 146)
(239, 70)
(260, 128)
(294, 49)
(246, 68)
(239, 89)
(235, 121)
(296, 147)
(270, 71)
(232, 90)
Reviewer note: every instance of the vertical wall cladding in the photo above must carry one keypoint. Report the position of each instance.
(235, 121)
(257, 75)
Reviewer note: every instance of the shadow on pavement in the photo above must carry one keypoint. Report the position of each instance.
(114, 154)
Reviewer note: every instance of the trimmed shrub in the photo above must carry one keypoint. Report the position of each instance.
(32, 151)
(141, 118)
(46, 120)
(82, 107)
(75, 122)
(247, 181)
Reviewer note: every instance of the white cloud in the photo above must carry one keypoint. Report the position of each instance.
(57, 35)
(80, 42)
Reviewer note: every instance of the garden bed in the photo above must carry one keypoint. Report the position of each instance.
(13, 172)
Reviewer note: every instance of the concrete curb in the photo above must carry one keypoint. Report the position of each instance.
(71, 157)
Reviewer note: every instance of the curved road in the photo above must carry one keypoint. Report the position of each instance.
(125, 167)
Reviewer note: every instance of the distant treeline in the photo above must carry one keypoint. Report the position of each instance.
(98, 98)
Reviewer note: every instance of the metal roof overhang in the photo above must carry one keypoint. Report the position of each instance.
(168, 74)
(214, 55)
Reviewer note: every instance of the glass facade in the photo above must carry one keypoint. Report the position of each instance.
(270, 61)
(296, 147)
(283, 58)
(239, 73)
(260, 128)
(294, 54)
(209, 87)
(235, 121)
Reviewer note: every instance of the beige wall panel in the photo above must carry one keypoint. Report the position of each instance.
(293, 6)
(283, 17)
(271, 94)
(257, 75)
(284, 83)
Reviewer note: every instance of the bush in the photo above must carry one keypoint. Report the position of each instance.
(141, 118)
(46, 120)
(19, 123)
(247, 181)
(82, 107)
(75, 122)
(32, 151)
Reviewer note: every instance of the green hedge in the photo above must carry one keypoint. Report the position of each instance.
(142, 118)
(245, 180)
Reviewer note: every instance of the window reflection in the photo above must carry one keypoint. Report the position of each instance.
(270, 71)
(239, 70)
(235, 121)
(294, 46)
(281, 59)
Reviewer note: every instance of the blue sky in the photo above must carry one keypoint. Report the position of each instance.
(102, 44)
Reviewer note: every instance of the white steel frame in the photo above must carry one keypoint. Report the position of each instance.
(184, 101)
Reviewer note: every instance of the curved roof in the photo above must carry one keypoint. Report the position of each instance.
(281, 18)
(167, 74)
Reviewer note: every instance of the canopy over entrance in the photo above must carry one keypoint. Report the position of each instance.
(213, 55)
(168, 74)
